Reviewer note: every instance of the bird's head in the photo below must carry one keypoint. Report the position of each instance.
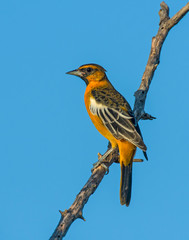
(90, 73)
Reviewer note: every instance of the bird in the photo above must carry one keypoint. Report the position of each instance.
(114, 119)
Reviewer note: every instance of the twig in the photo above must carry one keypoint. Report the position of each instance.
(76, 209)
(154, 58)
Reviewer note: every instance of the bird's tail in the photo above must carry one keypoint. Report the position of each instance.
(127, 153)
(126, 183)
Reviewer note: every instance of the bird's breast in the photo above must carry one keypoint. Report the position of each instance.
(92, 108)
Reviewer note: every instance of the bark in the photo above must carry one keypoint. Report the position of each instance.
(165, 25)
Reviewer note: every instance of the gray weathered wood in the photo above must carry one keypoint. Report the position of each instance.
(165, 25)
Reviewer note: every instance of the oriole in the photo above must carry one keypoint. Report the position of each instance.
(113, 117)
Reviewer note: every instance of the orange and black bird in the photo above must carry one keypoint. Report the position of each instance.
(114, 119)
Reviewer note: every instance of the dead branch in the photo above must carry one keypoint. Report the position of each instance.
(165, 25)
(76, 209)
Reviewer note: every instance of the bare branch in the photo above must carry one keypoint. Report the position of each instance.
(76, 209)
(154, 58)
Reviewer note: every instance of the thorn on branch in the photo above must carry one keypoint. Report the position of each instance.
(147, 116)
(80, 215)
(63, 213)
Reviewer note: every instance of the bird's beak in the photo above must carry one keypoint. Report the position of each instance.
(76, 73)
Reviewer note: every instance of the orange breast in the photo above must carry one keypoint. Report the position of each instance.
(97, 121)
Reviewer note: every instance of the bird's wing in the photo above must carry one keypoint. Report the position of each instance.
(116, 115)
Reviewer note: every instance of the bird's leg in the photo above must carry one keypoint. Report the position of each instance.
(101, 159)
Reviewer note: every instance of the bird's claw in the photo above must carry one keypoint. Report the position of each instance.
(99, 163)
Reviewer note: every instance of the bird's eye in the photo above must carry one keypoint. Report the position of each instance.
(89, 70)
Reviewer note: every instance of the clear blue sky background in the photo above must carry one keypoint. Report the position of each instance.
(47, 141)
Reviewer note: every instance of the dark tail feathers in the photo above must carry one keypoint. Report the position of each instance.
(146, 156)
(125, 185)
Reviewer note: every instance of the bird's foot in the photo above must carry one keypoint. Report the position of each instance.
(101, 161)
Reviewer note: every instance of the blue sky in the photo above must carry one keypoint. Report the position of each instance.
(48, 143)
